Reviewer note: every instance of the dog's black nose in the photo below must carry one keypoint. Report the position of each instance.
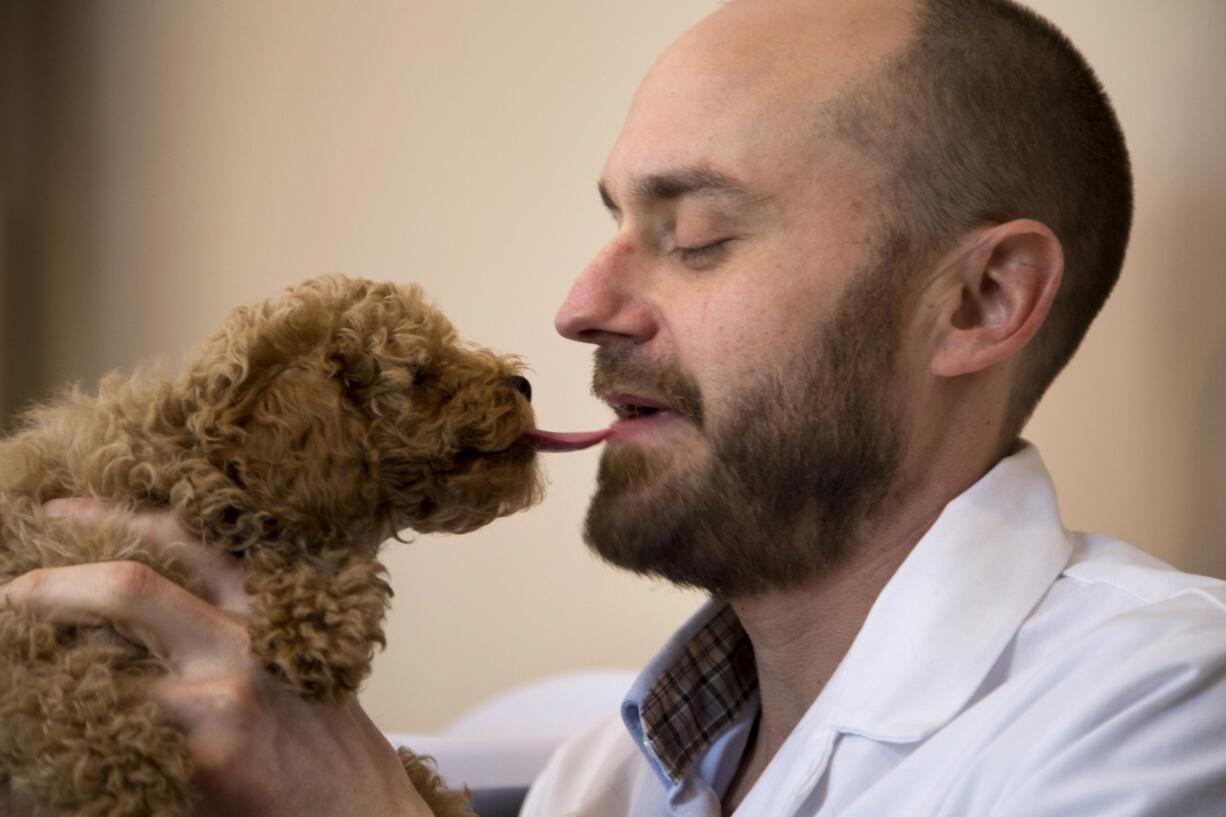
(521, 385)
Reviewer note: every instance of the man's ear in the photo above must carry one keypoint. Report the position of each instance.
(1006, 280)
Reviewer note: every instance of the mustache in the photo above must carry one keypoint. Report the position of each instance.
(625, 368)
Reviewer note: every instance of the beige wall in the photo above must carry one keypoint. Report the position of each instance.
(205, 154)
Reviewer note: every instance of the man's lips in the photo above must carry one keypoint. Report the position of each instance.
(564, 440)
(633, 406)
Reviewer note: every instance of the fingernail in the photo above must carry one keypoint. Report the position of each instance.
(58, 508)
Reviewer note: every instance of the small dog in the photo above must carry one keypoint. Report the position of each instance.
(302, 436)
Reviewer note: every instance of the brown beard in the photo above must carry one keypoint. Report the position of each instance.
(806, 455)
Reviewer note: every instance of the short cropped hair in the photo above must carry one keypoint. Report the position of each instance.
(989, 114)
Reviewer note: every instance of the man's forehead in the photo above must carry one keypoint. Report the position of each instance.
(744, 91)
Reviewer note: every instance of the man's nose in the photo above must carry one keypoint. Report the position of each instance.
(608, 303)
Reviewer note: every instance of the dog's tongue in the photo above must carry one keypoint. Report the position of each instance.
(564, 441)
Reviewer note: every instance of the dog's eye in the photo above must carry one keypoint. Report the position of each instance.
(419, 374)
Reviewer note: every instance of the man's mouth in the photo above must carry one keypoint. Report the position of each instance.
(639, 415)
(634, 406)
(637, 412)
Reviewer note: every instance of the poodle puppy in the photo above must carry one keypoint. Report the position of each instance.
(304, 434)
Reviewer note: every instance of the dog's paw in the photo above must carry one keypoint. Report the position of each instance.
(317, 630)
(443, 802)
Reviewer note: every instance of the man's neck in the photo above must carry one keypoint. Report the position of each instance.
(801, 634)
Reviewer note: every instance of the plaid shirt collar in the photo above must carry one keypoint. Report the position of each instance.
(694, 690)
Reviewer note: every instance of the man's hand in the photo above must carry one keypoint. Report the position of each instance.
(258, 749)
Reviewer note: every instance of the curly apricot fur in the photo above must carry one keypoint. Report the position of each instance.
(304, 434)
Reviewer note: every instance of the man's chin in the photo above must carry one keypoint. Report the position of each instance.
(705, 530)
(630, 509)
(630, 470)
(653, 519)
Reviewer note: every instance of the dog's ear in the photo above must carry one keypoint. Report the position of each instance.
(276, 433)
(304, 453)
(290, 463)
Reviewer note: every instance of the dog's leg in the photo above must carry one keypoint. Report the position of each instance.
(443, 802)
(78, 733)
(316, 623)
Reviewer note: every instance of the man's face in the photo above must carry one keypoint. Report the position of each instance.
(747, 329)
(798, 456)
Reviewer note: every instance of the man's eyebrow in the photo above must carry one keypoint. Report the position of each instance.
(677, 183)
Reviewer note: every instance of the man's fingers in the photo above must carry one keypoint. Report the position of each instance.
(209, 706)
(140, 604)
(220, 573)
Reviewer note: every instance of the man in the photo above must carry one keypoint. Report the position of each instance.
(856, 239)
(855, 242)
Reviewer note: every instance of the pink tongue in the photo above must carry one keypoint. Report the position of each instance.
(567, 441)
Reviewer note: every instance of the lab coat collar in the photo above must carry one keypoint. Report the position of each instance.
(951, 609)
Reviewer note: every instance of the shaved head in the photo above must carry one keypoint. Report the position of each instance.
(957, 114)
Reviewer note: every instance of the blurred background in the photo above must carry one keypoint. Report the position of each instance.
(162, 162)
